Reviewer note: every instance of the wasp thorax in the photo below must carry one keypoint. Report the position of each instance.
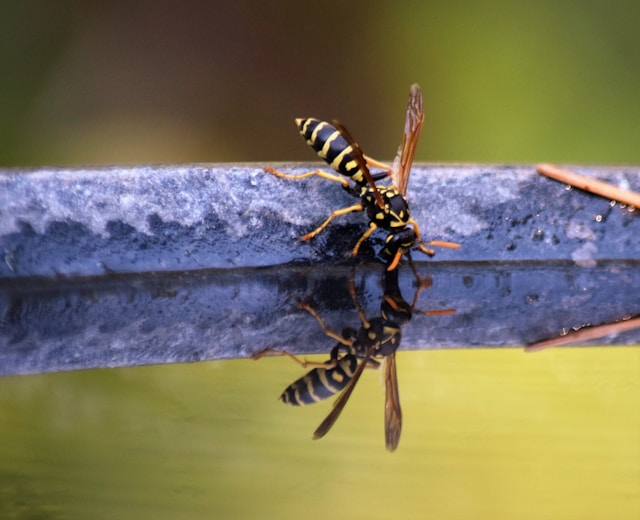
(394, 214)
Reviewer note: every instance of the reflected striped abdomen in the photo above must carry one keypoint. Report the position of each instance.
(320, 383)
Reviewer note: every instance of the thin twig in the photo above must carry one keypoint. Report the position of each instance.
(591, 185)
(585, 334)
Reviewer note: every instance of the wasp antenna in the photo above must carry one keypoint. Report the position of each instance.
(440, 243)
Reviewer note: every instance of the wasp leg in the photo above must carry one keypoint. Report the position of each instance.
(336, 213)
(401, 251)
(377, 164)
(437, 243)
(416, 228)
(319, 173)
(426, 250)
(365, 235)
(396, 260)
(421, 247)
(361, 314)
(329, 332)
(303, 363)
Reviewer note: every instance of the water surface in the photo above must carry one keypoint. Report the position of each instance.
(487, 434)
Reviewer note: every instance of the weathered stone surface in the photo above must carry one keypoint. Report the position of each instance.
(86, 222)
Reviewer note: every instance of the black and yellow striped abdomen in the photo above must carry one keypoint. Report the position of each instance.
(320, 383)
(331, 146)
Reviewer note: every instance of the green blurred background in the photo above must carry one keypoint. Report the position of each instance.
(138, 82)
(488, 433)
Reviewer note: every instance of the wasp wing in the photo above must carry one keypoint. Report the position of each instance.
(341, 401)
(359, 157)
(412, 126)
(392, 410)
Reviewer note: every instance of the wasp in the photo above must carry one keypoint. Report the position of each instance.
(373, 345)
(386, 206)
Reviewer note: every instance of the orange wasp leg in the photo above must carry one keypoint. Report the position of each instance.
(325, 328)
(365, 235)
(377, 164)
(319, 173)
(302, 362)
(334, 214)
(430, 252)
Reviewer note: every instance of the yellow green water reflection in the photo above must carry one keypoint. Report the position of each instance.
(487, 434)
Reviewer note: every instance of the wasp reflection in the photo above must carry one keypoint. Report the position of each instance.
(372, 345)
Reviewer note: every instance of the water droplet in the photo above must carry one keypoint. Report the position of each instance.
(532, 298)
(538, 235)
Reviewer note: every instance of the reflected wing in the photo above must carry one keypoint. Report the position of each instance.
(392, 411)
(412, 127)
(360, 159)
(338, 405)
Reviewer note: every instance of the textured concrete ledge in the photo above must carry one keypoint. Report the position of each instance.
(120, 266)
(89, 222)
